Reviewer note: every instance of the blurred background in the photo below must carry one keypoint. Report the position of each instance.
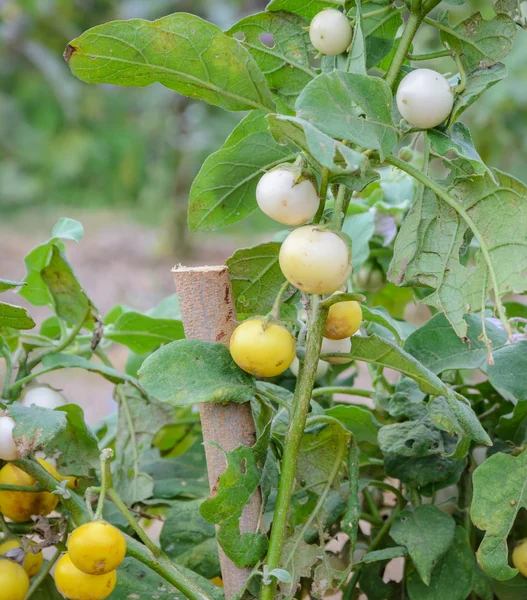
(121, 160)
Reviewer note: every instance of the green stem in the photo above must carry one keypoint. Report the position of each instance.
(453, 203)
(429, 55)
(323, 391)
(8, 373)
(338, 208)
(106, 481)
(460, 88)
(350, 521)
(323, 195)
(411, 27)
(415, 496)
(103, 358)
(275, 311)
(380, 11)
(329, 302)
(43, 573)
(30, 377)
(5, 527)
(5, 487)
(301, 400)
(371, 504)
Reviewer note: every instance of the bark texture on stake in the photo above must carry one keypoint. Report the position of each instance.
(207, 309)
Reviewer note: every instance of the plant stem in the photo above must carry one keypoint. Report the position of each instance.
(429, 55)
(323, 195)
(322, 391)
(459, 208)
(106, 481)
(371, 504)
(329, 302)
(275, 311)
(338, 208)
(8, 372)
(350, 520)
(5, 487)
(31, 376)
(411, 27)
(415, 496)
(4, 526)
(43, 573)
(460, 88)
(301, 400)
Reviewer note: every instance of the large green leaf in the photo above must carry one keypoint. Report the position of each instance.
(224, 190)
(427, 534)
(280, 45)
(170, 374)
(453, 577)
(356, 62)
(15, 317)
(411, 438)
(512, 8)
(189, 540)
(499, 494)
(35, 427)
(508, 371)
(437, 346)
(142, 333)
(480, 43)
(181, 51)
(305, 8)
(256, 278)
(352, 107)
(357, 419)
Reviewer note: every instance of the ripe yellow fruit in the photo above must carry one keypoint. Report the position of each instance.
(73, 482)
(344, 319)
(14, 582)
(76, 585)
(32, 562)
(262, 348)
(519, 557)
(20, 506)
(97, 548)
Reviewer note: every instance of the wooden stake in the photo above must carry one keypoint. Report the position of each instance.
(207, 309)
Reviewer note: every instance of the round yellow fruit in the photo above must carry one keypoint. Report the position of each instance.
(344, 319)
(32, 562)
(76, 585)
(97, 548)
(519, 557)
(20, 506)
(14, 582)
(262, 348)
(73, 482)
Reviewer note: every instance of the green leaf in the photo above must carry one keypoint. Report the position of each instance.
(480, 43)
(170, 374)
(280, 45)
(47, 590)
(499, 494)
(411, 438)
(357, 419)
(383, 318)
(380, 32)
(513, 589)
(479, 81)
(189, 540)
(224, 191)
(360, 227)
(69, 299)
(256, 278)
(138, 422)
(15, 317)
(508, 370)
(513, 427)
(181, 51)
(68, 229)
(7, 284)
(52, 362)
(437, 346)
(350, 106)
(459, 141)
(35, 427)
(427, 534)
(234, 489)
(357, 52)
(452, 578)
(142, 333)
(386, 554)
(75, 447)
(305, 8)
(512, 8)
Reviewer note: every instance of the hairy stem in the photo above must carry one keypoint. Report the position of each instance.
(429, 55)
(411, 27)
(323, 391)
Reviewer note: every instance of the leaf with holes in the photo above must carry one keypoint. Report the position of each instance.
(280, 45)
(224, 190)
(352, 107)
(181, 51)
(411, 438)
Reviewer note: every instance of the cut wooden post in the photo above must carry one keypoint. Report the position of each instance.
(208, 313)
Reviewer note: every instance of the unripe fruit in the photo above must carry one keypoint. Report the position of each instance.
(76, 585)
(322, 368)
(14, 582)
(43, 396)
(20, 506)
(285, 201)
(334, 347)
(97, 548)
(344, 319)
(32, 562)
(330, 32)
(7, 443)
(315, 260)
(425, 98)
(262, 348)
(519, 557)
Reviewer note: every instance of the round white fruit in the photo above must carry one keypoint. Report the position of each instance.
(330, 32)
(43, 396)
(315, 260)
(322, 368)
(336, 347)
(7, 443)
(425, 98)
(285, 201)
